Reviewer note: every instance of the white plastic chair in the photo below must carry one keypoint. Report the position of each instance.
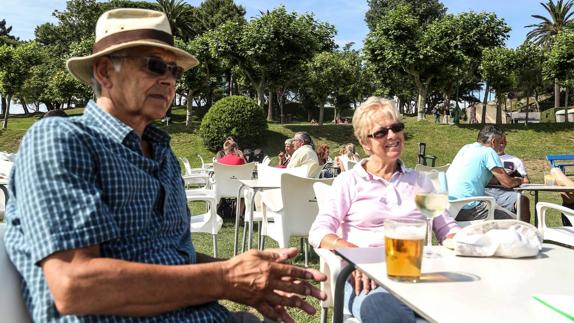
(350, 164)
(272, 177)
(456, 205)
(208, 222)
(12, 307)
(266, 160)
(2, 205)
(226, 178)
(559, 234)
(194, 177)
(207, 166)
(295, 214)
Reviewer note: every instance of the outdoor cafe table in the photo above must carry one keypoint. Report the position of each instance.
(469, 289)
(256, 185)
(536, 188)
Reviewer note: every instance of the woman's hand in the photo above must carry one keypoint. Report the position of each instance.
(362, 282)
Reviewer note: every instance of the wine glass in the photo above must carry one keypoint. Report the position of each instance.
(431, 198)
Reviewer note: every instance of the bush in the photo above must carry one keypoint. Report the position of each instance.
(236, 116)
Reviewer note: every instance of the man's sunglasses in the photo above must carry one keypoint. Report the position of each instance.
(156, 65)
(384, 131)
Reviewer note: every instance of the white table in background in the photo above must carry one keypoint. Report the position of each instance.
(469, 289)
(257, 185)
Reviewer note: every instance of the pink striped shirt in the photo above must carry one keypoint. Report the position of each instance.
(361, 202)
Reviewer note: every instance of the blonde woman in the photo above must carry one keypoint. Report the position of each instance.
(348, 154)
(363, 198)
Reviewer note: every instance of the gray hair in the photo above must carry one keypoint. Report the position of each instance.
(303, 135)
(289, 142)
(488, 133)
(117, 64)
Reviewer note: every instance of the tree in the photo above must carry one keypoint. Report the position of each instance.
(5, 37)
(213, 13)
(529, 64)
(330, 75)
(560, 63)
(280, 42)
(179, 14)
(545, 31)
(426, 10)
(497, 68)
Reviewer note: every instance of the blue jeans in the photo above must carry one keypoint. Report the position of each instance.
(377, 306)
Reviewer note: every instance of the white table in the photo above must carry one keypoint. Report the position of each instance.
(465, 289)
(538, 188)
(256, 185)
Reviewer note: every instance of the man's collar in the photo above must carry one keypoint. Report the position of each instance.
(118, 130)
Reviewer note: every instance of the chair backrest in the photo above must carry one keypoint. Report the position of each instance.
(227, 176)
(300, 206)
(266, 160)
(425, 168)
(186, 165)
(272, 175)
(12, 307)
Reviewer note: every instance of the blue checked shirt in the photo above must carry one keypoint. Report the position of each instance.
(83, 181)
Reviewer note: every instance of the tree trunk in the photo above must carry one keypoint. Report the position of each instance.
(260, 95)
(25, 107)
(7, 111)
(422, 88)
(281, 101)
(270, 106)
(321, 113)
(556, 93)
(566, 104)
(189, 110)
(485, 103)
(536, 100)
(3, 105)
(498, 109)
(527, 106)
(446, 106)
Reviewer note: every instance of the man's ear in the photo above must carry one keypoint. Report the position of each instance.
(101, 71)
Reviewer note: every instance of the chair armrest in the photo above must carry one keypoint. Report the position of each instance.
(330, 265)
(542, 207)
(456, 205)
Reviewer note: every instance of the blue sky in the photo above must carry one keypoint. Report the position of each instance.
(346, 15)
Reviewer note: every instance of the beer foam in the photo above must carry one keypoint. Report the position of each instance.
(406, 233)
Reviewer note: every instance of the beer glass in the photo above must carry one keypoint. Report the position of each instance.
(404, 242)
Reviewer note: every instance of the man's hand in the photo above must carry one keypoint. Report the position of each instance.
(262, 280)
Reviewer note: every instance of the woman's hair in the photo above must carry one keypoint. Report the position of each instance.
(229, 146)
(322, 153)
(350, 150)
(363, 118)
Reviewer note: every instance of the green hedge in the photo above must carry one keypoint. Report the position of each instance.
(236, 116)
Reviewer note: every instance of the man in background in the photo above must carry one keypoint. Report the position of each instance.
(304, 154)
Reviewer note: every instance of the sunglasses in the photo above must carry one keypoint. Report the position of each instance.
(156, 65)
(384, 131)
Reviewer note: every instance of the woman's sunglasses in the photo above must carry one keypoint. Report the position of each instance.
(156, 65)
(384, 131)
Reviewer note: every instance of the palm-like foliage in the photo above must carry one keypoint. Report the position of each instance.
(179, 15)
(560, 18)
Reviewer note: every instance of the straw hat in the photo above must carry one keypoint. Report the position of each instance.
(124, 28)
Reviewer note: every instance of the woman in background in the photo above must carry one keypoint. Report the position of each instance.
(348, 154)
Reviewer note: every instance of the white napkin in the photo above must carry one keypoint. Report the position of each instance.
(499, 238)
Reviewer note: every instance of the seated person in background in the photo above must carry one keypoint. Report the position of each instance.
(363, 198)
(115, 244)
(221, 152)
(567, 198)
(231, 156)
(323, 154)
(506, 197)
(285, 156)
(55, 113)
(313, 121)
(471, 170)
(348, 154)
(304, 154)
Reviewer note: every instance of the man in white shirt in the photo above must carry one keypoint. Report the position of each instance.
(507, 198)
(304, 154)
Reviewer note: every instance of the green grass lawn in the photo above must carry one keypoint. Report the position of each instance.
(531, 143)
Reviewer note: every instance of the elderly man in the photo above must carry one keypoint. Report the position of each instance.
(471, 170)
(304, 154)
(98, 224)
